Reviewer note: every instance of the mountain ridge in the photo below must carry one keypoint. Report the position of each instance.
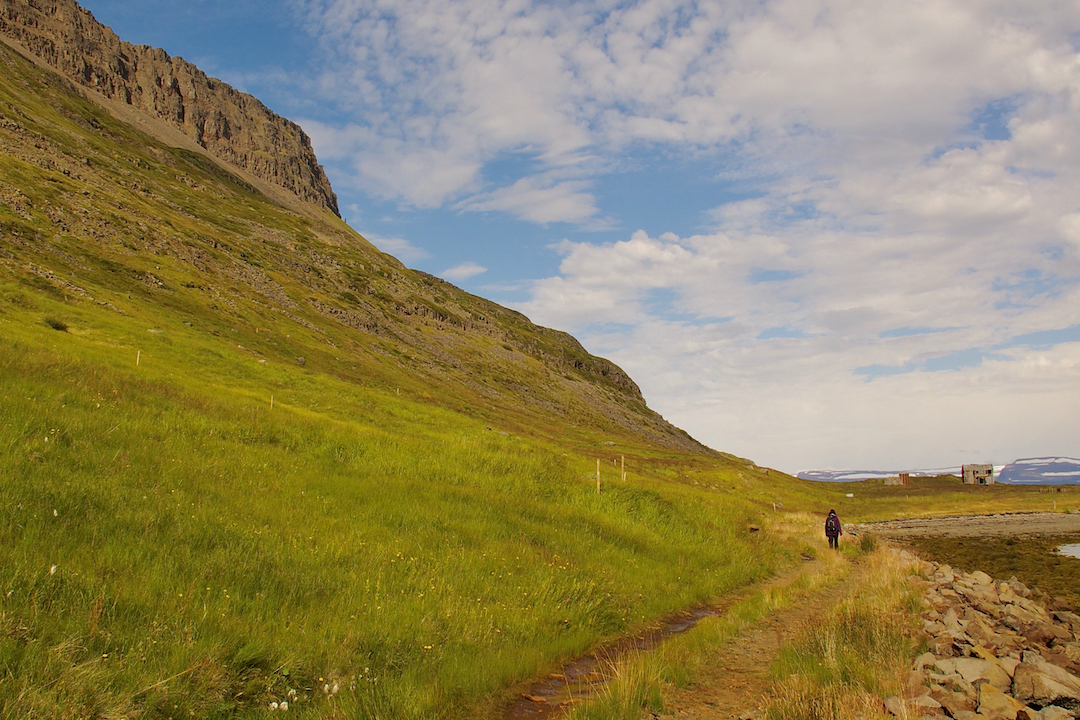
(94, 210)
(232, 126)
(1049, 470)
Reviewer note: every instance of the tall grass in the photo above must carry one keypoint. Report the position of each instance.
(166, 552)
(844, 665)
(638, 682)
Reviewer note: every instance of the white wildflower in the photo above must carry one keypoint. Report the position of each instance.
(52, 570)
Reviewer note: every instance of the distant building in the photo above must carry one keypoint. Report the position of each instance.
(978, 474)
(901, 479)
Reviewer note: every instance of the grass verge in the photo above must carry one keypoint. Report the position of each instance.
(842, 667)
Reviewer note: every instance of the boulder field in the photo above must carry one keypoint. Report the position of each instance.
(997, 650)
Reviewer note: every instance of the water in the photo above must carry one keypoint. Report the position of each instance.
(1070, 550)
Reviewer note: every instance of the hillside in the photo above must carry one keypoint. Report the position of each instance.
(133, 222)
(247, 458)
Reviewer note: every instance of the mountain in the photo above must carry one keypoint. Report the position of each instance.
(132, 181)
(171, 97)
(857, 475)
(1041, 471)
(1026, 471)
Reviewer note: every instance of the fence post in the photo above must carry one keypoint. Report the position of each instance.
(598, 476)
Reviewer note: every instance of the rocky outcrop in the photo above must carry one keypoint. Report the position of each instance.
(229, 124)
(997, 651)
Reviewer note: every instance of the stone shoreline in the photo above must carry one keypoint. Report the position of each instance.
(997, 651)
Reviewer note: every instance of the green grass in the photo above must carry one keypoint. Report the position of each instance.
(413, 557)
(924, 497)
(856, 655)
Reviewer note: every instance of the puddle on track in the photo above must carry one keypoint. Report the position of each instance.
(587, 676)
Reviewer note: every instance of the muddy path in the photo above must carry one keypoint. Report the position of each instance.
(736, 682)
(1005, 525)
(587, 676)
(733, 684)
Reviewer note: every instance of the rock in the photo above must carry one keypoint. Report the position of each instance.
(1041, 634)
(983, 633)
(1061, 632)
(1067, 618)
(1040, 683)
(895, 706)
(996, 705)
(942, 646)
(923, 661)
(1053, 712)
(982, 578)
(1019, 588)
(925, 702)
(953, 702)
(232, 126)
(975, 669)
(915, 684)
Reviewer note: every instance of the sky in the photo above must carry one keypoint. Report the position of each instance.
(819, 234)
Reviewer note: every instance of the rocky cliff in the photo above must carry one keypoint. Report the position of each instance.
(231, 125)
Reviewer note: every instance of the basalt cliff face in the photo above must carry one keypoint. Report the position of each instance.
(231, 125)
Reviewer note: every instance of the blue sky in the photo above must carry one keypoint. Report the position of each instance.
(818, 233)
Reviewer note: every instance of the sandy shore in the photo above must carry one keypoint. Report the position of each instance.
(976, 526)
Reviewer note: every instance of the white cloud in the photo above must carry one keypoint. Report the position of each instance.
(1069, 227)
(534, 199)
(464, 271)
(916, 165)
(684, 316)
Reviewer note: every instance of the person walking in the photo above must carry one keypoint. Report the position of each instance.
(833, 530)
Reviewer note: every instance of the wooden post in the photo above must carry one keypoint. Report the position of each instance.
(598, 476)
(138, 356)
(271, 402)
(623, 460)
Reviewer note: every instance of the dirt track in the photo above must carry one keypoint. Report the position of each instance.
(976, 526)
(737, 681)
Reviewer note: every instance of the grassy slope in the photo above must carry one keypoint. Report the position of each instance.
(173, 546)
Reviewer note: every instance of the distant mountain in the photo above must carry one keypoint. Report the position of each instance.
(857, 475)
(1026, 471)
(1042, 471)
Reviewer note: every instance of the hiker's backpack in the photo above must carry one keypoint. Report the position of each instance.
(832, 525)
